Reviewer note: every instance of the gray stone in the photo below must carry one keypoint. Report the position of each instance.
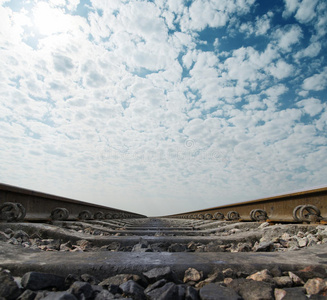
(89, 278)
(279, 294)
(114, 246)
(49, 244)
(315, 286)
(9, 231)
(104, 295)
(263, 275)
(283, 281)
(21, 236)
(297, 293)
(177, 248)
(27, 295)
(8, 287)
(59, 296)
(213, 247)
(118, 279)
(160, 273)
(156, 285)
(276, 271)
(228, 273)
(191, 293)
(66, 247)
(131, 288)
(97, 289)
(142, 247)
(293, 243)
(252, 290)
(311, 272)
(263, 225)
(40, 281)
(296, 279)
(167, 292)
(181, 289)
(114, 289)
(192, 274)
(318, 297)
(70, 279)
(217, 276)
(214, 291)
(13, 241)
(84, 245)
(264, 247)
(4, 237)
(79, 288)
(303, 242)
(244, 247)
(41, 295)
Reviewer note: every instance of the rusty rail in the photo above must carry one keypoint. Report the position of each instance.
(18, 204)
(301, 206)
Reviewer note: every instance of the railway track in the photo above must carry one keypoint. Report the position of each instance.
(17, 204)
(195, 255)
(304, 206)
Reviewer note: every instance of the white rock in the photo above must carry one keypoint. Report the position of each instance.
(285, 236)
(263, 225)
(302, 242)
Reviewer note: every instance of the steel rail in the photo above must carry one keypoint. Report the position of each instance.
(18, 203)
(310, 205)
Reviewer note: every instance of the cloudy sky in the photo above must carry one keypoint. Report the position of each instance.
(163, 106)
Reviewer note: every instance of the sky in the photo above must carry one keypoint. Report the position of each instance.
(164, 106)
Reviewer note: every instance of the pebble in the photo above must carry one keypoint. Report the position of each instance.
(8, 287)
(312, 272)
(215, 291)
(261, 276)
(192, 274)
(264, 247)
(163, 284)
(279, 294)
(296, 279)
(217, 276)
(315, 286)
(228, 273)
(274, 238)
(166, 292)
(283, 281)
(79, 288)
(38, 281)
(159, 273)
(131, 288)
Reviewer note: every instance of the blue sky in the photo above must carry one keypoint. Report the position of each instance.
(163, 106)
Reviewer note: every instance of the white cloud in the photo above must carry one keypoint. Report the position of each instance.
(321, 24)
(311, 106)
(306, 11)
(259, 27)
(321, 124)
(288, 37)
(291, 6)
(280, 70)
(49, 20)
(311, 51)
(203, 13)
(118, 102)
(263, 24)
(316, 82)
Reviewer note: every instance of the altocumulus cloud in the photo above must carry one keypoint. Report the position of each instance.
(160, 107)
